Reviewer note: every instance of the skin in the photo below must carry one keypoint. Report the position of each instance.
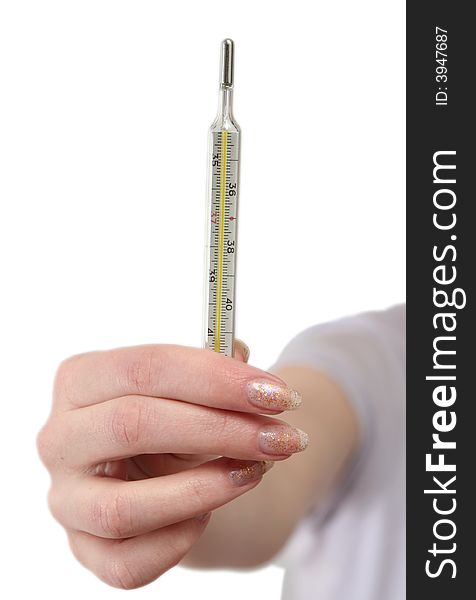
(140, 443)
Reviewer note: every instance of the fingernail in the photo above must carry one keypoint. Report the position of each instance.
(282, 439)
(243, 349)
(249, 470)
(203, 518)
(273, 396)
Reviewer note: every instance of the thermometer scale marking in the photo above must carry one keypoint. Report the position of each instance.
(221, 237)
(224, 190)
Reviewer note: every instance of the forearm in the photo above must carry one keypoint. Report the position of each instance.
(250, 530)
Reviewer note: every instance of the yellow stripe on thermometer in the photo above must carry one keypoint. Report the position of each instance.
(221, 241)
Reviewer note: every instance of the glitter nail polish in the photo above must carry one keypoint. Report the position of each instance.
(273, 396)
(282, 439)
(246, 471)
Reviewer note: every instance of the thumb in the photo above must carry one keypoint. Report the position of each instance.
(241, 351)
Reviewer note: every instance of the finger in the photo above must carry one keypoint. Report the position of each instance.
(133, 425)
(144, 466)
(137, 561)
(194, 375)
(111, 508)
(241, 351)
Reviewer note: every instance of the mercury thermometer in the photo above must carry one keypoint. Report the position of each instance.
(222, 213)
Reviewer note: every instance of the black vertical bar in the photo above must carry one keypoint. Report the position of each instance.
(440, 568)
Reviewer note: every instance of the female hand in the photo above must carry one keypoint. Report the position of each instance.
(132, 443)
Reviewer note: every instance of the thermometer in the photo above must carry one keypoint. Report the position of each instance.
(222, 214)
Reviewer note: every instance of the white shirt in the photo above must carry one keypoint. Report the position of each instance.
(352, 547)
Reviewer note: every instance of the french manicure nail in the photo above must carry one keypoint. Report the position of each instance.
(246, 471)
(243, 349)
(282, 439)
(246, 352)
(273, 396)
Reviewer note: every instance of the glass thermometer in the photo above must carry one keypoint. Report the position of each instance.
(222, 212)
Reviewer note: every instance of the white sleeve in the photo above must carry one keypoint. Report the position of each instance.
(365, 355)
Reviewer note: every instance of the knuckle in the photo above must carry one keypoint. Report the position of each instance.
(46, 444)
(51, 442)
(43, 442)
(129, 421)
(54, 502)
(138, 372)
(64, 382)
(111, 516)
(121, 573)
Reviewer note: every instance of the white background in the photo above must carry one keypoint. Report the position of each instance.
(104, 110)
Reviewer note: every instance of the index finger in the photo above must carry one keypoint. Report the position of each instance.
(193, 375)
